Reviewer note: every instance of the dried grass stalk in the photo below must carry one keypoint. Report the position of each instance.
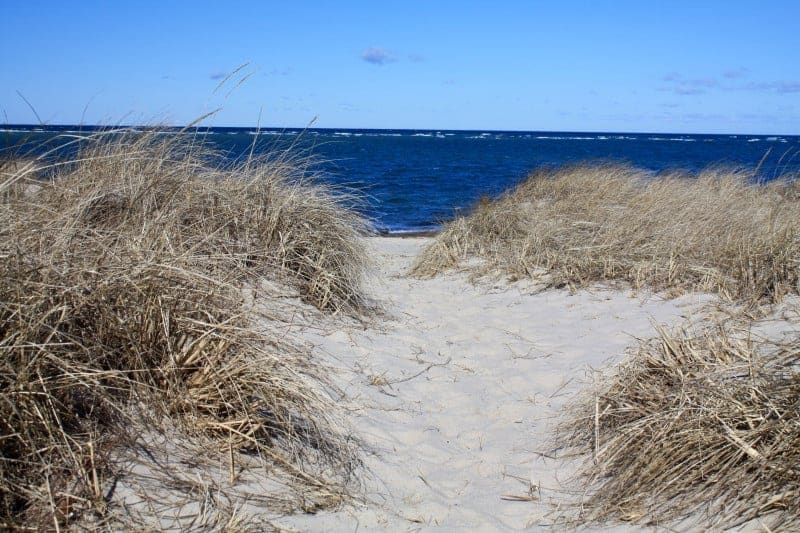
(711, 232)
(695, 426)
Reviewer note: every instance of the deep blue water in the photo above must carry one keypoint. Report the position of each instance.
(414, 180)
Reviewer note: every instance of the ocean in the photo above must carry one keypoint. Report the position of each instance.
(414, 180)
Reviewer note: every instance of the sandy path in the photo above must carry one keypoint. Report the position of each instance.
(457, 390)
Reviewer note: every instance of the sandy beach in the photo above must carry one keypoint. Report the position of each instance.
(456, 392)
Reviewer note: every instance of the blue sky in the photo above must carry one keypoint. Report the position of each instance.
(654, 66)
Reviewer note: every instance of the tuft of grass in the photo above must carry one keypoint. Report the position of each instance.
(261, 217)
(714, 232)
(126, 284)
(695, 425)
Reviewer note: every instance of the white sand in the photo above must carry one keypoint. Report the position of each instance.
(458, 389)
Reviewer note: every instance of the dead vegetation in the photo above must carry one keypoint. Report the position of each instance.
(713, 232)
(699, 425)
(124, 310)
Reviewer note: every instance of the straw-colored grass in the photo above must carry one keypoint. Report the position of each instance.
(699, 428)
(263, 217)
(712, 232)
(125, 303)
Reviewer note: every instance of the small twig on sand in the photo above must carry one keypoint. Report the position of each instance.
(409, 378)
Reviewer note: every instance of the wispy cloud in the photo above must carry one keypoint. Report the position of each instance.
(736, 73)
(729, 80)
(417, 58)
(677, 84)
(217, 75)
(377, 56)
(780, 87)
(688, 90)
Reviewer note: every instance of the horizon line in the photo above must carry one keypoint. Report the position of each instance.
(29, 126)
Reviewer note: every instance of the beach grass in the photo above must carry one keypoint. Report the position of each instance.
(714, 232)
(127, 287)
(700, 426)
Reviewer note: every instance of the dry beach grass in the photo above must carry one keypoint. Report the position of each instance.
(126, 304)
(714, 232)
(701, 425)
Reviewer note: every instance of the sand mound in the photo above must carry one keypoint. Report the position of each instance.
(713, 232)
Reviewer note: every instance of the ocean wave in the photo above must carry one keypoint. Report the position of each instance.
(272, 132)
(564, 138)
